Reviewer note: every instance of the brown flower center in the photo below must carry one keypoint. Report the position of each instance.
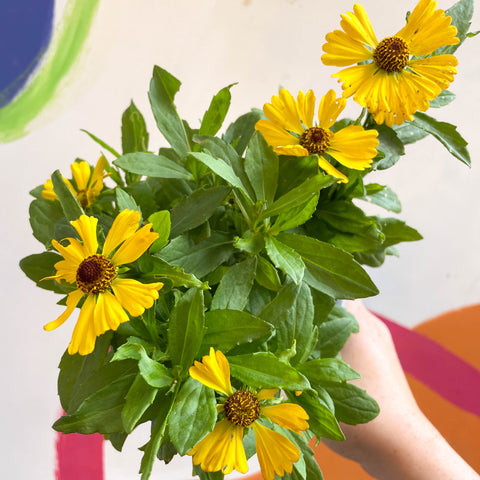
(82, 198)
(391, 54)
(242, 408)
(95, 274)
(316, 140)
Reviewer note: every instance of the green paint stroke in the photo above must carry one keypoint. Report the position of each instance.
(67, 43)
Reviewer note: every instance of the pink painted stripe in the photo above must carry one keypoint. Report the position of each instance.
(436, 367)
(79, 457)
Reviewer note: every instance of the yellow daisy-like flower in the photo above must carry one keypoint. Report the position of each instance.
(398, 77)
(96, 277)
(88, 183)
(222, 449)
(290, 131)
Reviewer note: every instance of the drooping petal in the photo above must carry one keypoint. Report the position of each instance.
(81, 174)
(87, 229)
(427, 29)
(329, 109)
(83, 336)
(72, 301)
(294, 150)
(213, 371)
(439, 70)
(276, 453)
(134, 296)
(354, 147)
(221, 449)
(287, 415)
(109, 313)
(135, 245)
(331, 170)
(124, 226)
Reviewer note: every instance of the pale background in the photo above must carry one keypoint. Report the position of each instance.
(209, 44)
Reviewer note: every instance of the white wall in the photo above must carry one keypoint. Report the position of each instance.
(209, 44)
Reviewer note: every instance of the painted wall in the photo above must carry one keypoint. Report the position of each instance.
(209, 44)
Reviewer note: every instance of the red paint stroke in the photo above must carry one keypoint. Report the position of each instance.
(79, 457)
(436, 367)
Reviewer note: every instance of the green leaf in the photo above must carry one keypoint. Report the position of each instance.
(134, 130)
(285, 258)
(353, 405)
(139, 397)
(41, 265)
(322, 421)
(328, 370)
(235, 286)
(125, 201)
(222, 169)
(261, 167)
(408, 133)
(161, 270)
(101, 143)
(43, 216)
(335, 331)
(163, 88)
(186, 329)
(201, 258)
(266, 275)
(239, 132)
(295, 216)
(70, 205)
(197, 208)
(397, 231)
(152, 165)
(444, 98)
(265, 370)
(160, 224)
(390, 145)
(298, 195)
(154, 373)
(382, 196)
(446, 134)
(193, 415)
(215, 115)
(329, 269)
(229, 328)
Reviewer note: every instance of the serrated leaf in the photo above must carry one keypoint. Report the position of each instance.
(446, 134)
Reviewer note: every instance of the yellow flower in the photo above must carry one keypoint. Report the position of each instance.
(222, 449)
(96, 277)
(88, 184)
(397, 76)
(290, 131)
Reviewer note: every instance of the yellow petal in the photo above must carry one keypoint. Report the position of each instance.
(83, 336)
(124, 226)
(267, 393)
(135, 245)
(87, 229)
(427, 29)
(274, 134)
(213, 371)
(329, 109)
(276, 453)
(294, 150)
(72, 301)
(221, 449)
(109, 313)
(331, 170)
(287, 415)
(48, 192)
(134, 296)
(96, 181)
(81, 174)
(306, 107)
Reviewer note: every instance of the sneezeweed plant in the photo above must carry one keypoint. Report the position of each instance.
(207, 272)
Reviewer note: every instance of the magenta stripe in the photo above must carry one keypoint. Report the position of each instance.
(436, 367)
(79, 457)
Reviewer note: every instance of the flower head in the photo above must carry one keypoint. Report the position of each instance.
(88, 183)
(107, 296)
(290, 130)
(222, 449)
(397, 76)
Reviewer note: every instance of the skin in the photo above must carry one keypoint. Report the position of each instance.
(401, 443)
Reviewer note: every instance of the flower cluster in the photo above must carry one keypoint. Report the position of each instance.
(207, 276)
